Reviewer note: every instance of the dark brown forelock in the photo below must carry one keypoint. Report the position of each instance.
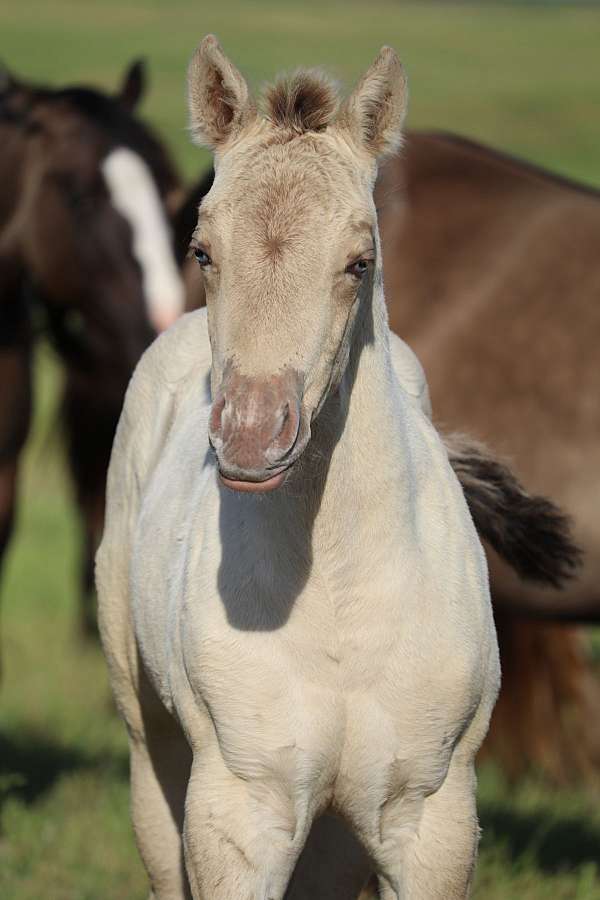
(304, 101)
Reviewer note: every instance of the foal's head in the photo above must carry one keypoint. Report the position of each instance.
(287, 241)
(89, 226)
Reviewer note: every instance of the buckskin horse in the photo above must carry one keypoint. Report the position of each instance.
(85, 189)
(492, 277)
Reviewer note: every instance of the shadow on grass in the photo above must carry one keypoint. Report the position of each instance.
(553, 844)
(31, 763)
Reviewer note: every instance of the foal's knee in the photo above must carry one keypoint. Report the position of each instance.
(235, 846)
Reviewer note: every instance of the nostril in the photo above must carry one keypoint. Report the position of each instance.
(215, 427)
(285, 439)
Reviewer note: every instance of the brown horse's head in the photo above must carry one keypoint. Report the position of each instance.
(87, 222)
(287, 241)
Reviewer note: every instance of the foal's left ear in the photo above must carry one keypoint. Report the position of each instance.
(218, 96)
(374, 112)
(133, 86)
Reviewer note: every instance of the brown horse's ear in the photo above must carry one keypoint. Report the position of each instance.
(219, 100)
(133, 86)
(374, 112)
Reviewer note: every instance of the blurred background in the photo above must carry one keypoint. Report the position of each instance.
(522, 77)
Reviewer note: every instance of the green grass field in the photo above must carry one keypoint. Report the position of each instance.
(523, 78)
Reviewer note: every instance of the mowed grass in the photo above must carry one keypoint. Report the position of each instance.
(525, 79)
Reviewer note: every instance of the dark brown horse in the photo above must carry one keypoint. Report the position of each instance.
(85, 245)
(491, 276)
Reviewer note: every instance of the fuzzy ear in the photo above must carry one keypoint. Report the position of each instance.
(374, 112)
(219, 100)
(133, 86)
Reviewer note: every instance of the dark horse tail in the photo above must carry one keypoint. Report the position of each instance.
(529, 532)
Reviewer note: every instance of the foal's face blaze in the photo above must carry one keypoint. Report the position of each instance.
(286, 242)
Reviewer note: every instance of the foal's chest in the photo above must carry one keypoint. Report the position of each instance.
(323, 677)
(314, 691)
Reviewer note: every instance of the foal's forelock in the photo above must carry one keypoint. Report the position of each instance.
(134, 195)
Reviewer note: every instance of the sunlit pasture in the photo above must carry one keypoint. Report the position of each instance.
(524, 78)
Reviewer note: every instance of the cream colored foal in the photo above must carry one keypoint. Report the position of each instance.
(293, 599)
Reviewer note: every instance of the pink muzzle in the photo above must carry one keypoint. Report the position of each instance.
(254, 429)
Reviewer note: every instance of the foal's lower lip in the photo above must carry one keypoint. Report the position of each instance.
(254, 487)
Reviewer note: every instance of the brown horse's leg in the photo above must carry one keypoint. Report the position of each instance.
(8, 489)
(90, 422)
(92, 514)
(546, 717)
(15, 415)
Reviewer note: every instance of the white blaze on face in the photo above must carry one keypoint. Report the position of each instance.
(135, 196)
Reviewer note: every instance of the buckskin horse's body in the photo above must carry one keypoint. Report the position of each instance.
(492, 277)
(85, 242)
(299, 622)
(492, 272)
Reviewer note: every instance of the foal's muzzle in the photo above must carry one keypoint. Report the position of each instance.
(255, 429)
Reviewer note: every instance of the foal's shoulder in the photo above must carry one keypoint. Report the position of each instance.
(179, 355)
(170, 360)
(177, 352)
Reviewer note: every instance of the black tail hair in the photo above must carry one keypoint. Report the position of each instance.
(529, 532)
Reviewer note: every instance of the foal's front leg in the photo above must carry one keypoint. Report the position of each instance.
(437, 859)
(241, 841)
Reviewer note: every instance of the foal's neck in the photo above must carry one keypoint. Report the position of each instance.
(361, 438)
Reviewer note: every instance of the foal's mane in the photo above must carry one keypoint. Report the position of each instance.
(306, 100)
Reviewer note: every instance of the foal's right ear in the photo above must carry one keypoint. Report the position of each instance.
(219, 100)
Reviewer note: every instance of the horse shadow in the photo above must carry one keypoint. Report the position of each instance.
(32, 763)
(553, 845)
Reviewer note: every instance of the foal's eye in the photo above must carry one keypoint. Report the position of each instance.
(202, 257)
(358, 267)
